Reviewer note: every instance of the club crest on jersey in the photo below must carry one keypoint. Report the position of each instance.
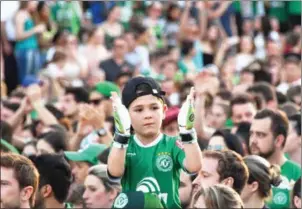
(121, 201)
(164, 163)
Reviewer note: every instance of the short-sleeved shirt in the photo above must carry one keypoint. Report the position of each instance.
(155, 168)
(290, 172)
(112, 69)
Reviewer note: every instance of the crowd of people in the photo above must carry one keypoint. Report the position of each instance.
(151, 104)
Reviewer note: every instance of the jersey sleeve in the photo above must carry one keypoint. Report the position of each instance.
(178, 154)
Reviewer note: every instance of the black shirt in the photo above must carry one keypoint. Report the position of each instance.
(112, 69)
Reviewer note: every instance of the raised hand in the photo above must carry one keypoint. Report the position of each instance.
(121, 115)
(186, 115)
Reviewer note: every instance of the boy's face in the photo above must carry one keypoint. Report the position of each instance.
(146, 113)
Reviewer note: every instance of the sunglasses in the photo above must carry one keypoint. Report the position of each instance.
(95, 101)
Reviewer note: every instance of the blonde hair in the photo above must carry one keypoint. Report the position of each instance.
(219, 197)
(100, 171)
(262, 172)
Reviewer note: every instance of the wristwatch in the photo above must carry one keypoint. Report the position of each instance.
(101, 132)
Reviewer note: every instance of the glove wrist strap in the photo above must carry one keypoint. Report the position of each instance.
(121, 139)
(188, 137)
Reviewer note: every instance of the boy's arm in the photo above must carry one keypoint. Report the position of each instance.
(117, 155)
(192, 161)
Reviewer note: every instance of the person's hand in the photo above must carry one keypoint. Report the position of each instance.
(186, 115)
(201, 5)
(40, 28)
(34, 94)
(26, 106)
(92, 116)
(206, 83)
(188, 4)
(121, 115)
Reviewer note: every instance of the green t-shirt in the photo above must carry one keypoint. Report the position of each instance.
(290, 172)
(155, 168)
(67, 16)
(278, 10)
(294, 7)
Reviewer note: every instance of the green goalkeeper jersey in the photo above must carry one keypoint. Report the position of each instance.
(155, 168)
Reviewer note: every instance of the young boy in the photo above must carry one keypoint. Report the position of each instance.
(148, 160)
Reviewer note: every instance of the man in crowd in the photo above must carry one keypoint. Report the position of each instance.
(221, 167)
(19, 181)
(268, 135)
(55, 180)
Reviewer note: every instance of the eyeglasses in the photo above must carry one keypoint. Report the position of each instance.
(95, 101)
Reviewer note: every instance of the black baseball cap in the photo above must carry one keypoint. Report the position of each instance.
(140, 86)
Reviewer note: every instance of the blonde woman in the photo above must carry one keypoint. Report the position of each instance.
(218, 196)
(259, 185)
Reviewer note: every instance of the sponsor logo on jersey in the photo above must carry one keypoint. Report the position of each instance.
(164, 163)
(148, 185)
(121, 201)
(131, 154)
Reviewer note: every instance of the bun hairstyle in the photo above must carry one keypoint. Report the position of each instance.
(262, 172)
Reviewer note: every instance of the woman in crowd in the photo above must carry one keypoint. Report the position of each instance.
(112, 27)
(100, 192)
(95, 50)
(259, 185)
(218, 197)
(27, 48)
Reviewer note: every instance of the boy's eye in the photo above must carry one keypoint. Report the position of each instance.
(138, 110)
(155, 107)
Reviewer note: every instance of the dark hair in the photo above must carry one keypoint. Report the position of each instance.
(76, 194)
(292, 92)
(40, 6)
(11, 106)
(6, 131)
(296, 191)
(297, 122)
(169, 11)
(138, 29)
(18, 94)
(55, 171)
(59, 55)
(186, 47)
(240, 99)
(265, 89)
(279, 122)
(243, 132)
(225, 95)
(289, 108)
(56, 139)
(281, 98)
(231, 140)
(266, 26)
(230, 164)
(80, 94)
(262, 172)
(25, 172)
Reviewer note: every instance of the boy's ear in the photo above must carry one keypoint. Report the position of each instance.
(165, 108)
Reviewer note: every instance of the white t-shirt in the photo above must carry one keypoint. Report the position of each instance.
(8, 11)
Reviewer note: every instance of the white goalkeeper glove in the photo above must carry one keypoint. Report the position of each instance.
(186, 119)
(121, 115)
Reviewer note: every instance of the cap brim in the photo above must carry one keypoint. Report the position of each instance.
(75, 156)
